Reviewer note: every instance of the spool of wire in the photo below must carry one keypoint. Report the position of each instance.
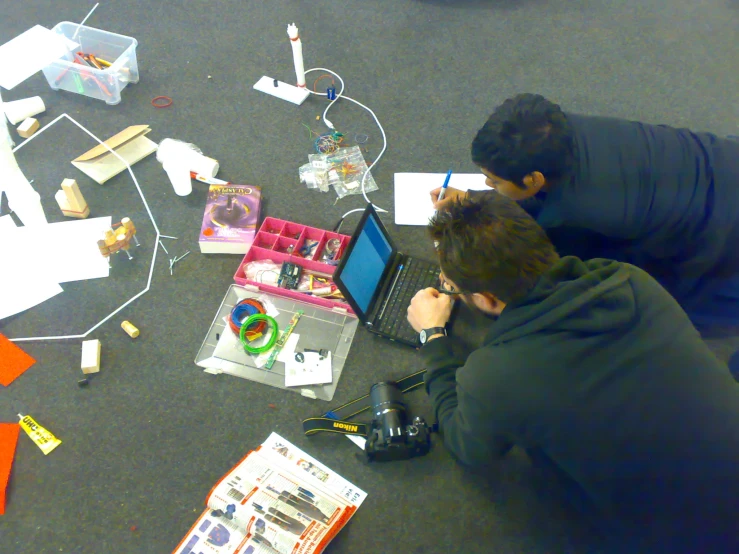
(259, 319)
(328, 143)
(241, 312)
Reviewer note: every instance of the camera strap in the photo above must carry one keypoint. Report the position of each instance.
(335, 421)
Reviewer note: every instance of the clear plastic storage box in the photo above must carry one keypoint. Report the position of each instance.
(72, 74)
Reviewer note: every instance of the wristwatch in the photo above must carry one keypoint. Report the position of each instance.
(426, 333)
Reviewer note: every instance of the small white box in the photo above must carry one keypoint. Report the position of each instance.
(91, 356)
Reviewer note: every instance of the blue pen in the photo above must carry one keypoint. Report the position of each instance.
(445, 185)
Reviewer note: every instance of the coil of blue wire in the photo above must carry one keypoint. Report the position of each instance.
(242, 311)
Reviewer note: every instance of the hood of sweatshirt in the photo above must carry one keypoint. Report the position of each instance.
(588, 297)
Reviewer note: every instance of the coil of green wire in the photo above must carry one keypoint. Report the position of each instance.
(255, 318)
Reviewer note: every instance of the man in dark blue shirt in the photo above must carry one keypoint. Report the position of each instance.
(663, 199)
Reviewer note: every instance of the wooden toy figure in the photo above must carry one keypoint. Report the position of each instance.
(118, 238)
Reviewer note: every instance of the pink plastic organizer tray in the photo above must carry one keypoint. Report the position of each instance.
(282, 241)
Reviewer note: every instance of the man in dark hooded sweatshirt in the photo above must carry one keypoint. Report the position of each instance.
(663, 199)
(594, 370)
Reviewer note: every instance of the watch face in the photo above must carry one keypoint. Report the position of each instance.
(423, 336)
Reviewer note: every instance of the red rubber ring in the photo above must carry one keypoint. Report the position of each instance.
(167, 104)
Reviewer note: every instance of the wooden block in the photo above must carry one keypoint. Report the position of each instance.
(28, 127)
(130, 329)
(71, 201)
(90, 356)
(74, 196)
(110, 237)
(78, 215)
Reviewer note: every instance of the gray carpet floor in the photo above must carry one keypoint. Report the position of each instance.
(143, 445)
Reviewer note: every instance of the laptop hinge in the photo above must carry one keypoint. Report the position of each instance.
(385, 290)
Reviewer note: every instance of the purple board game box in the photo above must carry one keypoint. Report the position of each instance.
(230, 219)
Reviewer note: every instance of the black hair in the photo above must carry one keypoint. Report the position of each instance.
(524, 134)
(488, 243)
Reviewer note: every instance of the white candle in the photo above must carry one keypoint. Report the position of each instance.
(292, 32)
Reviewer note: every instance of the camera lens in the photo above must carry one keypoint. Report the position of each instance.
(388, 408)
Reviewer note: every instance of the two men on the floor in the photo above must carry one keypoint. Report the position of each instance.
(663, 199)
(589, 364)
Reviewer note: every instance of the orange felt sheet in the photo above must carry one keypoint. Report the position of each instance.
(8, 440)
(13, 361)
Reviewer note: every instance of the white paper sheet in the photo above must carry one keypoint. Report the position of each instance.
(288, 351)
(23, 281)
(311, 371)
(412, 201)
(68, 250)
(30, 52)
(22, 198)
(21, 289)
(6, 223)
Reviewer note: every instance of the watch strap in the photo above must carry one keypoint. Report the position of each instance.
(434, 331)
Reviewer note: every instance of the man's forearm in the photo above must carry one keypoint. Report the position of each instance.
(464, 422)
(441, 365)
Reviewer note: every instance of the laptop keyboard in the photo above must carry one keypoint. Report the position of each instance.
(415, 275)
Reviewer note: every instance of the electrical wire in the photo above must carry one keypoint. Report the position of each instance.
(330, 125)
(248, 307)
(322, 77)
(257, 318)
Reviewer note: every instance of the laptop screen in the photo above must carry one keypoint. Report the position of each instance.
(364, 265)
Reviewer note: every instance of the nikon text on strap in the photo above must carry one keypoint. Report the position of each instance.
(335, 421)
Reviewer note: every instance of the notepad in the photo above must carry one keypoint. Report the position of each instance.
(412, 201)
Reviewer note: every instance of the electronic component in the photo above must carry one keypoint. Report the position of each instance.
(286, 332)
(289, 276)
(331, 251)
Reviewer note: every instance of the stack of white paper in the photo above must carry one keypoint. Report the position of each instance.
(35, 259)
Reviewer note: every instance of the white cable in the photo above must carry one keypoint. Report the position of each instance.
(331, 126)
(84, 21)
(326, 121)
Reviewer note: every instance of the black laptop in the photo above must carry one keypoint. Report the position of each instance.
(379, 282)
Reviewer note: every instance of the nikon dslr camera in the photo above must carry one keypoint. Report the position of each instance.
(391, 436)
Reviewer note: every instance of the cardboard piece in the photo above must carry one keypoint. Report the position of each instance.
(130, 144)
(8, 440)
(13, 361)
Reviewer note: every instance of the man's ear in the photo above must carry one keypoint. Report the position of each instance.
(488, 303)
(535, 180)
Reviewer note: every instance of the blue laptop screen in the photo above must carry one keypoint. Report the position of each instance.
(363, 269)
